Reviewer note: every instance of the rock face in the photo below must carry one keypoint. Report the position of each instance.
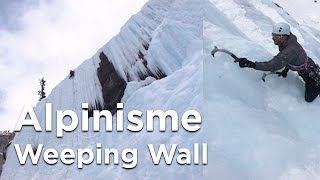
(112, 84)
(4, 140)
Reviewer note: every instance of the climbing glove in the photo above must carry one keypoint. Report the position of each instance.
(244, 62)
(283, 73)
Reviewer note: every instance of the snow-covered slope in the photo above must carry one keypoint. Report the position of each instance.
(254, 129)
(258, 130)
(306, 13)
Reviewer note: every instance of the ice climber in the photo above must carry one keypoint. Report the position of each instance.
(71, 74)
(291, 57)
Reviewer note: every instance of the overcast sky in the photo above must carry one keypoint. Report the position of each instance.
(47, 39)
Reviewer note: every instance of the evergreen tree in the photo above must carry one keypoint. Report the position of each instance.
(41, 92)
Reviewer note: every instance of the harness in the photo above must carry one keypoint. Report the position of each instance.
(301, 69)
(309, 69)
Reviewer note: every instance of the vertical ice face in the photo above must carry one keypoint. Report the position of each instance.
(153, 63)
(258, 130)
(161, 60)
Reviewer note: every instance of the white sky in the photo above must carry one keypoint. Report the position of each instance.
(52, 38)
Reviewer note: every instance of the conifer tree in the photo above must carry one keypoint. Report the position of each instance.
(41, 92)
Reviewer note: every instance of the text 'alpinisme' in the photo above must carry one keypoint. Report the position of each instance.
(137, 120)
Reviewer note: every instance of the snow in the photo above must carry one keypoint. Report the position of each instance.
(258, 130)
(305, 12)
(254, 129)
(174, 47)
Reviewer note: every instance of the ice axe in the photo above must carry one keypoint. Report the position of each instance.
(275, 72)
(267, 74)
(216, 49)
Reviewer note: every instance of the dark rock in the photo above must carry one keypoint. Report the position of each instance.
(112, 84)
(5, 139)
